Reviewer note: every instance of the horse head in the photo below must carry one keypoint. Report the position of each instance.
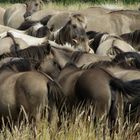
(33, 6)
(74, 33)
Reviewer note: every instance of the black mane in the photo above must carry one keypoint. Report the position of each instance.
(20, 65)
(132, 38)
(33, 52)
(91, 34)
(27, 24)
(95, 44)
(133, 58)
(76, 56)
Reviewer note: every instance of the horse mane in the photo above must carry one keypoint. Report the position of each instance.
(33, 52)
(120, 60)
(45, 20)
(27, 24)
(76, 56)
(132, 58)
(104, 64)
(91, 34)
(96, 42)
(133, 37)
(43, 32)
(18, 64)
(66, 47)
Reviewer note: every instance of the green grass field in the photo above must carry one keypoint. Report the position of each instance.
(72, 129)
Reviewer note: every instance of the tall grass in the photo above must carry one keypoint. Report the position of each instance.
(71, 129)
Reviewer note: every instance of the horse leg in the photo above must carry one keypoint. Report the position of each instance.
(112, 116)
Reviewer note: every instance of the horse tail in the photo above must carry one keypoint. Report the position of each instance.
(55, 94)
(128, 88)
(55, 100)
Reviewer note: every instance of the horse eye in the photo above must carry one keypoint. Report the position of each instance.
(54, 63)
(36, 4)
(74, 26)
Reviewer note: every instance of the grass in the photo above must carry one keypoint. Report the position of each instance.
(78, 5)
(77, 129)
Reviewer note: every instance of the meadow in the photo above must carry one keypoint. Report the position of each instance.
(76, 128)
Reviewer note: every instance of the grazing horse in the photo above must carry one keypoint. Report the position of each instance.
(132, 38)
(73, 33)
(15, 15)
(19, 97)
(127, 70)
(109, 45)
(82, 86)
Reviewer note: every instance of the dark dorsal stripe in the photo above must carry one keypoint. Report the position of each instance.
(95, 44)
(27, 24)
(33, 52)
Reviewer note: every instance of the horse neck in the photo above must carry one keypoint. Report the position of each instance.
(61, 56)
(66, 72)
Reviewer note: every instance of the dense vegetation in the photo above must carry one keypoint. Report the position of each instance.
(72, 1)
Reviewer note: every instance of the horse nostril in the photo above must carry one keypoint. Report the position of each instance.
(27, 14)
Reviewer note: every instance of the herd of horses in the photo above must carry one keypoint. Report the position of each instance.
(55, 59)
